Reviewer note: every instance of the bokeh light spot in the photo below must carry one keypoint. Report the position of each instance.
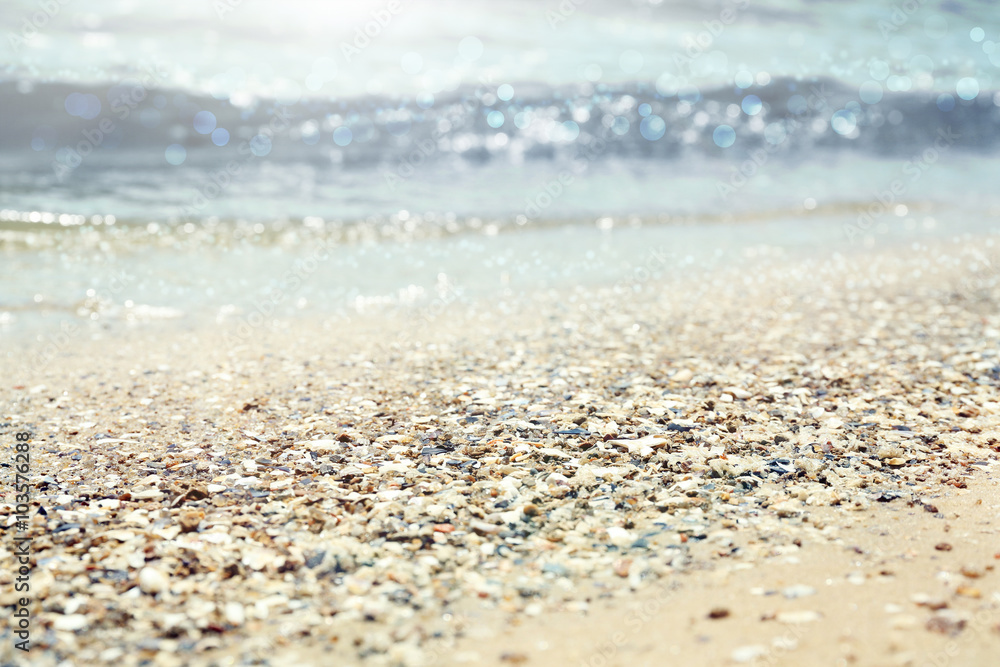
(593, 72)
(797, 104)
(689, 94)
(342, 136)
(751, 105)
(843, 122)
(724, 136)
(936, 26)
(630, 61)
(505, 92)
(204, 122)
(967, 88)
(175, 154)
(775, 133)
(220, 136)
(870, 92)
(260, 145)
(878, 70)
(412, 62)
(470, 48)
(566, 132)
(652, 127)
(83, 106)
(495, 119)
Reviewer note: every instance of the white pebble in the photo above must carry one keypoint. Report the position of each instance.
(748, 653)
(152, 581)
(619, 536)
(795, 617)
(798, 591)
(235, 614)
(69, 622)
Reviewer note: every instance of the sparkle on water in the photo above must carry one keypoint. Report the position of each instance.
(843, 122)
(751, 105)
(652, 127)
(466, 91)
(724, 136)
(342, 136)
(175, 154)
(204, 122)
(220, 136)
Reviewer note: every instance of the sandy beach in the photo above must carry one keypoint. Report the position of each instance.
(794, 464)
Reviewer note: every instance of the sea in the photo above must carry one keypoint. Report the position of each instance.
(209, 162)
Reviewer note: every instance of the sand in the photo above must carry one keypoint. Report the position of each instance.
(805, 449)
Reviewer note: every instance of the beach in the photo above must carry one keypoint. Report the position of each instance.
(789, 457)
(401, 334)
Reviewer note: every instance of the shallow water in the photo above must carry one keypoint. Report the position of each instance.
(195, 155)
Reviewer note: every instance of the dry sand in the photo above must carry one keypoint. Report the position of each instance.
(806, 450)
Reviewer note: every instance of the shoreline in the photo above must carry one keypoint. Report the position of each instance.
(373, 481)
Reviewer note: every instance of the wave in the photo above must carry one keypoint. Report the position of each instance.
(128, 124)
(164, 154)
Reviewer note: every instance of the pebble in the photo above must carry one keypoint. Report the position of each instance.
(70, 622)
(234, 613)
(619, 536)
(490, 470)
(972, 571)
(798, 591)
(152, 581)
(796, 617)
(748, 653)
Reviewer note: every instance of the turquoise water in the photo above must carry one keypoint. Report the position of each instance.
(201, 148)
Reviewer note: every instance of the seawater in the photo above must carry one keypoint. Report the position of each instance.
(198, 148)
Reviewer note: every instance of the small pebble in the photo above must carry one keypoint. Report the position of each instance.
(152, 581)
(748, 653)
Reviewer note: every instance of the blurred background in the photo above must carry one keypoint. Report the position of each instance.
(163, 161)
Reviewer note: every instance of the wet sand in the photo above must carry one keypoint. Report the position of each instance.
(805, 449)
